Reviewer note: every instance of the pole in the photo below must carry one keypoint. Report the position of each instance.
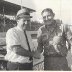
(4, 19)
(60, 9)
(21, 4)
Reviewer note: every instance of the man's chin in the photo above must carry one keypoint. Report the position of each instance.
(48, 23)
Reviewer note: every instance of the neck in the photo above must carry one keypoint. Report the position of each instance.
(53, 24)
(49, 26)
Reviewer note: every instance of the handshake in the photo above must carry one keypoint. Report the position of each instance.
(36, 54)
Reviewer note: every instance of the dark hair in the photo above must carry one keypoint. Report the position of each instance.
(47, 10)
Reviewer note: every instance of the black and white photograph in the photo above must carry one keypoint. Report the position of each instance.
(35, 35)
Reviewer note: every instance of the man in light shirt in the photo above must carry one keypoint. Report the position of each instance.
(18, 54)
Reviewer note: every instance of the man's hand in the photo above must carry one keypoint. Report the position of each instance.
(36, 54)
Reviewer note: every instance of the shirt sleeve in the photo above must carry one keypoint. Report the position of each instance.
(12, 38)
(39, 40)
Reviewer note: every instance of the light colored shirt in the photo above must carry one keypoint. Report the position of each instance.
(15, 36)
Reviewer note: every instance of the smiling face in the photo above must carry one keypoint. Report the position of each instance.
(23, 22)
(47, 17)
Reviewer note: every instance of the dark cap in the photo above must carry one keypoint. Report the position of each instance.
(23, 13)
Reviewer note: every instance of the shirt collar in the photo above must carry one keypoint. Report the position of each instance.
(19, 28)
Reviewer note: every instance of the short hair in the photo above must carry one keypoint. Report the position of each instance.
(47, 10)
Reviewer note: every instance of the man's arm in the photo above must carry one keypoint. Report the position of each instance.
(21, 51)
(39, 40)
(40, 46)
(13, 40)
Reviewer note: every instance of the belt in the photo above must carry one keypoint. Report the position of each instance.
(17, 66)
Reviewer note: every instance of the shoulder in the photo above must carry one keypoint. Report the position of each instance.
(42, 27)
(39, 32)
(11, 31)
(58, 21)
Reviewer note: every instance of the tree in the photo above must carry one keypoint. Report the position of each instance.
(34, 25)
(6, 23)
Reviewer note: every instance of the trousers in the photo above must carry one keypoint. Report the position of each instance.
(19, 66)
(56, 63)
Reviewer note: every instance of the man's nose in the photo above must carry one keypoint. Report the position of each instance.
(46, 17)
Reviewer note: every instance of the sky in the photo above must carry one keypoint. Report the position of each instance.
(61, 8)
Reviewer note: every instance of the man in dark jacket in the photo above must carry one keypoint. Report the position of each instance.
(52, 38)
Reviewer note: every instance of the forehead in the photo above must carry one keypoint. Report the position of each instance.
(25, 18)
(46, 13)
